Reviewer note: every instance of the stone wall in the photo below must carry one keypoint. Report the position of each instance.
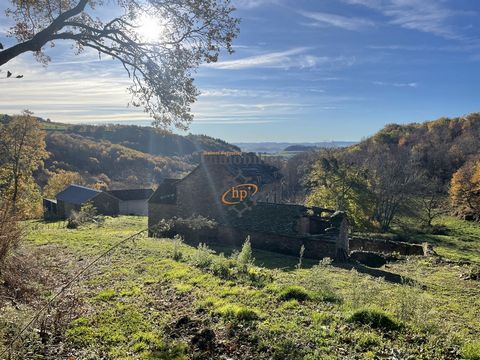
(288, 245)
(386, 246)
(275, 227)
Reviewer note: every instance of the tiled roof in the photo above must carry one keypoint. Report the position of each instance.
(77, 194)
(131, 194)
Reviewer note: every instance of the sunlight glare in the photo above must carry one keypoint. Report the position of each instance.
(150, 28)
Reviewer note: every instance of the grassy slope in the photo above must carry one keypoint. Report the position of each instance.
(462, 241)
(139, 303)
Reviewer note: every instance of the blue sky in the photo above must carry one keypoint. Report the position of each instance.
(302, 71)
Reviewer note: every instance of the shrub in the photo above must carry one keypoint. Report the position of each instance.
(222, 267)
(374, 318)
(10, 232)
(259, 276)
(245, 257)
(195, 223)
(172, 227)
(294, 292)
(86, 215)
(202, 257)
(177, 244)
(471, 350)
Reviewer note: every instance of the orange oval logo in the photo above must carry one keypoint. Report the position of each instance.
(237, 194)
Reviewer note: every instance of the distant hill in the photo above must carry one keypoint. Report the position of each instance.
(151, 140)
(439, 147)
(114, 164)
(122, 155)
(274, 147)
(300, 148)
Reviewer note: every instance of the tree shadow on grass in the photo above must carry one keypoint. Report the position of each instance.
(272, 260)
(268, 259)
(377, 273)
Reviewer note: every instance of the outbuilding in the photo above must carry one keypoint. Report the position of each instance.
(132, 201)
(74, 196)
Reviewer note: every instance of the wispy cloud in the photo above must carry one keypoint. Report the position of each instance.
(88, 93)
(236, 93)
(322, 19)
(293, 58)
(251, 4)
(396, 84)
(430, 16)
(461, 47)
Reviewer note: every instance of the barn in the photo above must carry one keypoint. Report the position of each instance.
(132, 201)
(74, 196)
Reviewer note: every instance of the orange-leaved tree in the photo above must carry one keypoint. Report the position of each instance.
(22, 151)
(465, 191)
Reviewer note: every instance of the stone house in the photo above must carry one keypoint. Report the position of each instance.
(132, 201)
(74, 196)
(214, 190)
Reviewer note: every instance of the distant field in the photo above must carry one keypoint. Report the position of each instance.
(54, 126)
(155, 299)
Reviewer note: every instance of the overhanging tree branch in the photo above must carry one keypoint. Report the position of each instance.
(160, 68)
(43, 37)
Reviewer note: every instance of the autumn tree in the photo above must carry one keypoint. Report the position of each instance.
(159, 43)
(430, 201)
(393, 180)
(58, 181)
(465, 191)
(22, 151)
(337, 184)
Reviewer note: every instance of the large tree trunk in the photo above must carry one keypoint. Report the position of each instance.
(40, 39)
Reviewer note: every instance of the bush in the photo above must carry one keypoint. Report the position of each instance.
(202, 257)
(172, 227)
(10, 232)
(177, 244)
(471, 350)
(374, 318)
(195, 223)
(245, 258)
(294, 292)
(86, 215)
(222, 267)
(259, 276)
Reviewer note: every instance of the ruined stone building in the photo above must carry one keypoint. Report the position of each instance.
(244, 196)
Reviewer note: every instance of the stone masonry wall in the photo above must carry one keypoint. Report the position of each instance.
(288, 245)
(386, 246)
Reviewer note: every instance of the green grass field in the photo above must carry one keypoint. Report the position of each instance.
(161, 299)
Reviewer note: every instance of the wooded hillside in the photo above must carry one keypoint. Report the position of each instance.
(121, 156)
(403, 169)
